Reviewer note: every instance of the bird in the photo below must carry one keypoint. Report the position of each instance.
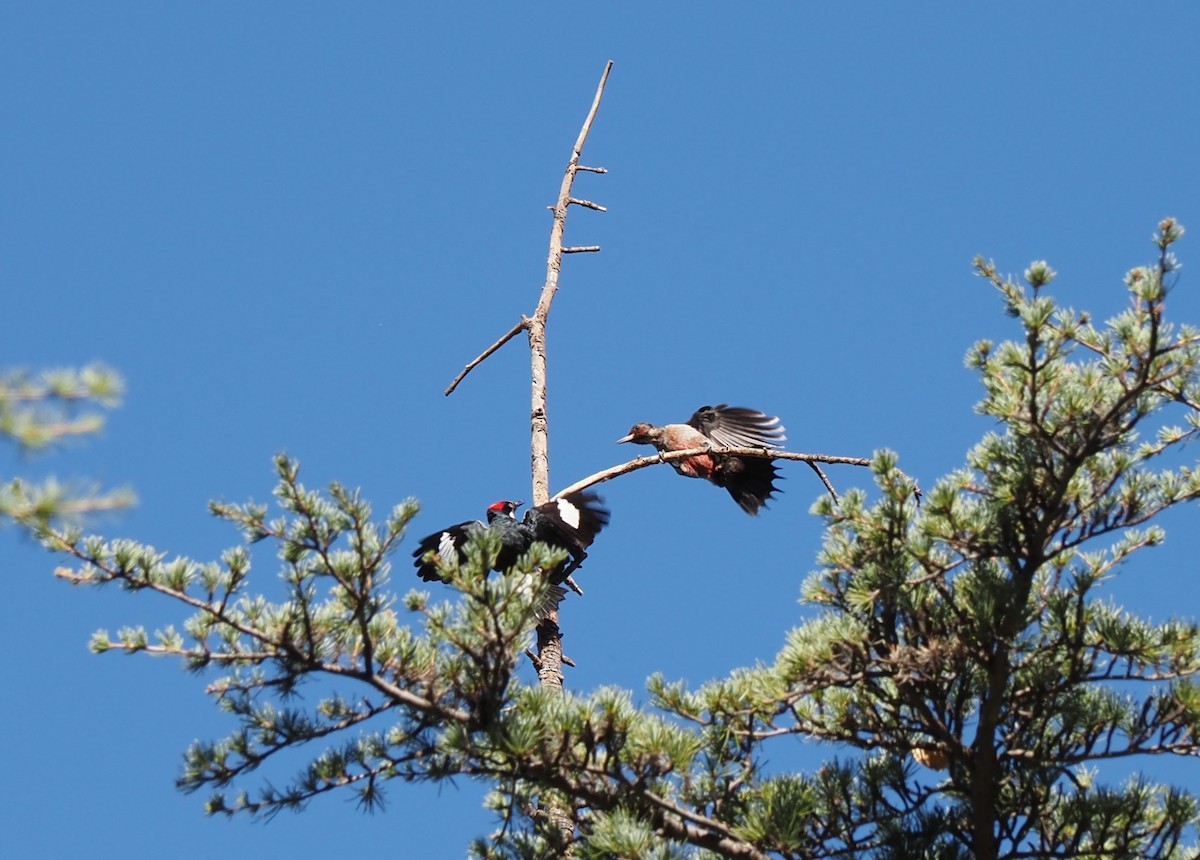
(750, 480)
(570, 523)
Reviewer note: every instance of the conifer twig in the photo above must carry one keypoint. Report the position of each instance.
(824, 480)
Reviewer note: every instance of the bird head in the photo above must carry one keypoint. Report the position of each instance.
(503, 509)
(641, 434)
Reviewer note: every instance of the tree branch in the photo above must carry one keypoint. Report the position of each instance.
(549, 637)
(512, 332)
(762, 453)
(540, 458)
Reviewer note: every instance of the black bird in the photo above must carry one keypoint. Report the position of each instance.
(750, 480)
(569, 523)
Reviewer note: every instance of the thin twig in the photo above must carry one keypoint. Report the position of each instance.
(519, 327)
(533, 659)
(587, 204)
(825, 480)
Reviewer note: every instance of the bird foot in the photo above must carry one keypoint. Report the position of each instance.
(564, 575)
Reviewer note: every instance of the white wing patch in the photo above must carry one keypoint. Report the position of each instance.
(568, 513)
(447, 551)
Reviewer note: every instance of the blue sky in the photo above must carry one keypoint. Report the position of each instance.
(290, 225)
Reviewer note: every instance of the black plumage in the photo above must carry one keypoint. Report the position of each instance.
(570, 523)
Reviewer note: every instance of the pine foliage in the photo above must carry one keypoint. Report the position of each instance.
(39, 411)
(962, 657)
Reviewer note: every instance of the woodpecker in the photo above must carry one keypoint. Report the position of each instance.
(750, 480)
(569, 523)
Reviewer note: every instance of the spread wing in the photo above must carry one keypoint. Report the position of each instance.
(571, 522)
(736, 427)
(445, 545)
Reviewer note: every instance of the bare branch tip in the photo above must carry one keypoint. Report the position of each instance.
(521, 325)
(587, 204)
(534, 659)
(825, 480)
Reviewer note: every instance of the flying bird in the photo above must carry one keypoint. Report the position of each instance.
(750, 480)
(570, 523)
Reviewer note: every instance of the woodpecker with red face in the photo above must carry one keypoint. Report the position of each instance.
(569, 523)
(750, 480)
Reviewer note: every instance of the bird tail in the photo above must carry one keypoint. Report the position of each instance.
(750, 480)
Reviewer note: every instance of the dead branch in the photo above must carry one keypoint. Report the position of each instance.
(540, 457)
(825, 480)
(512, 332)
(587, 204)
(762, 453)
(537, 342)
(549, 637)
(549, 660)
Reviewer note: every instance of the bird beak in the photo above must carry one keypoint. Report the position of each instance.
(517, 505)
(628, 438)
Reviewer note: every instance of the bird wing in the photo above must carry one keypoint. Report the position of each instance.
(736, 427)
(446, 545)
(571, 522)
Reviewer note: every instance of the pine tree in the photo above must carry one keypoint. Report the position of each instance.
(39, 411)
(960, 646)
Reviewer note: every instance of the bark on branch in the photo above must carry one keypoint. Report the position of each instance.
(762, 453)
(549, 659)
(540, 457)
(471, 365)
(549, 637)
